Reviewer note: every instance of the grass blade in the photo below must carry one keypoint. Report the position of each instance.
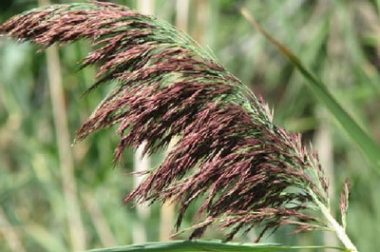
(369, 147)
(195, 246)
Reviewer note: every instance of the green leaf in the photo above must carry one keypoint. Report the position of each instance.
(209, 246)
(369, 147)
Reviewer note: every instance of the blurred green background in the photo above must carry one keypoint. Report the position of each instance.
(58, 197)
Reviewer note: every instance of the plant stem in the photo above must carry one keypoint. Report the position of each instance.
(334, 225)
(75, 224)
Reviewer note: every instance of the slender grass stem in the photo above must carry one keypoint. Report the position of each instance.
(334, 225)
(70, 191)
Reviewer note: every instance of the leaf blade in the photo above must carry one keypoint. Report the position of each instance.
(203, 246)
(368, 146)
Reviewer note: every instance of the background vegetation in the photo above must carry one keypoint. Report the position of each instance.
(49, 190)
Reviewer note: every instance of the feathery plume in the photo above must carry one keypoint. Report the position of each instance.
(248, 171)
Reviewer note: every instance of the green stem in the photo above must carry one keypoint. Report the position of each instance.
(334, 225)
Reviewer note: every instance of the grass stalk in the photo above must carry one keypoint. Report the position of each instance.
(334, 225)
(167, 209)
(74, 219)
(201, 21)
(141, 164)
(182, 15)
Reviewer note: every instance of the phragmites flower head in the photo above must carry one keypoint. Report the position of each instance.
(229, 153)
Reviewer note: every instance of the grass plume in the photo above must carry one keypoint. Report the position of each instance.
(228, 151)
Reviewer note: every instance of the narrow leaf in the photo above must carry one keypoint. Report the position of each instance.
(203, 246)
(369, 147)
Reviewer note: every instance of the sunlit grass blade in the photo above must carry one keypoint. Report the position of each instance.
(369, 147)
(203, 246)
